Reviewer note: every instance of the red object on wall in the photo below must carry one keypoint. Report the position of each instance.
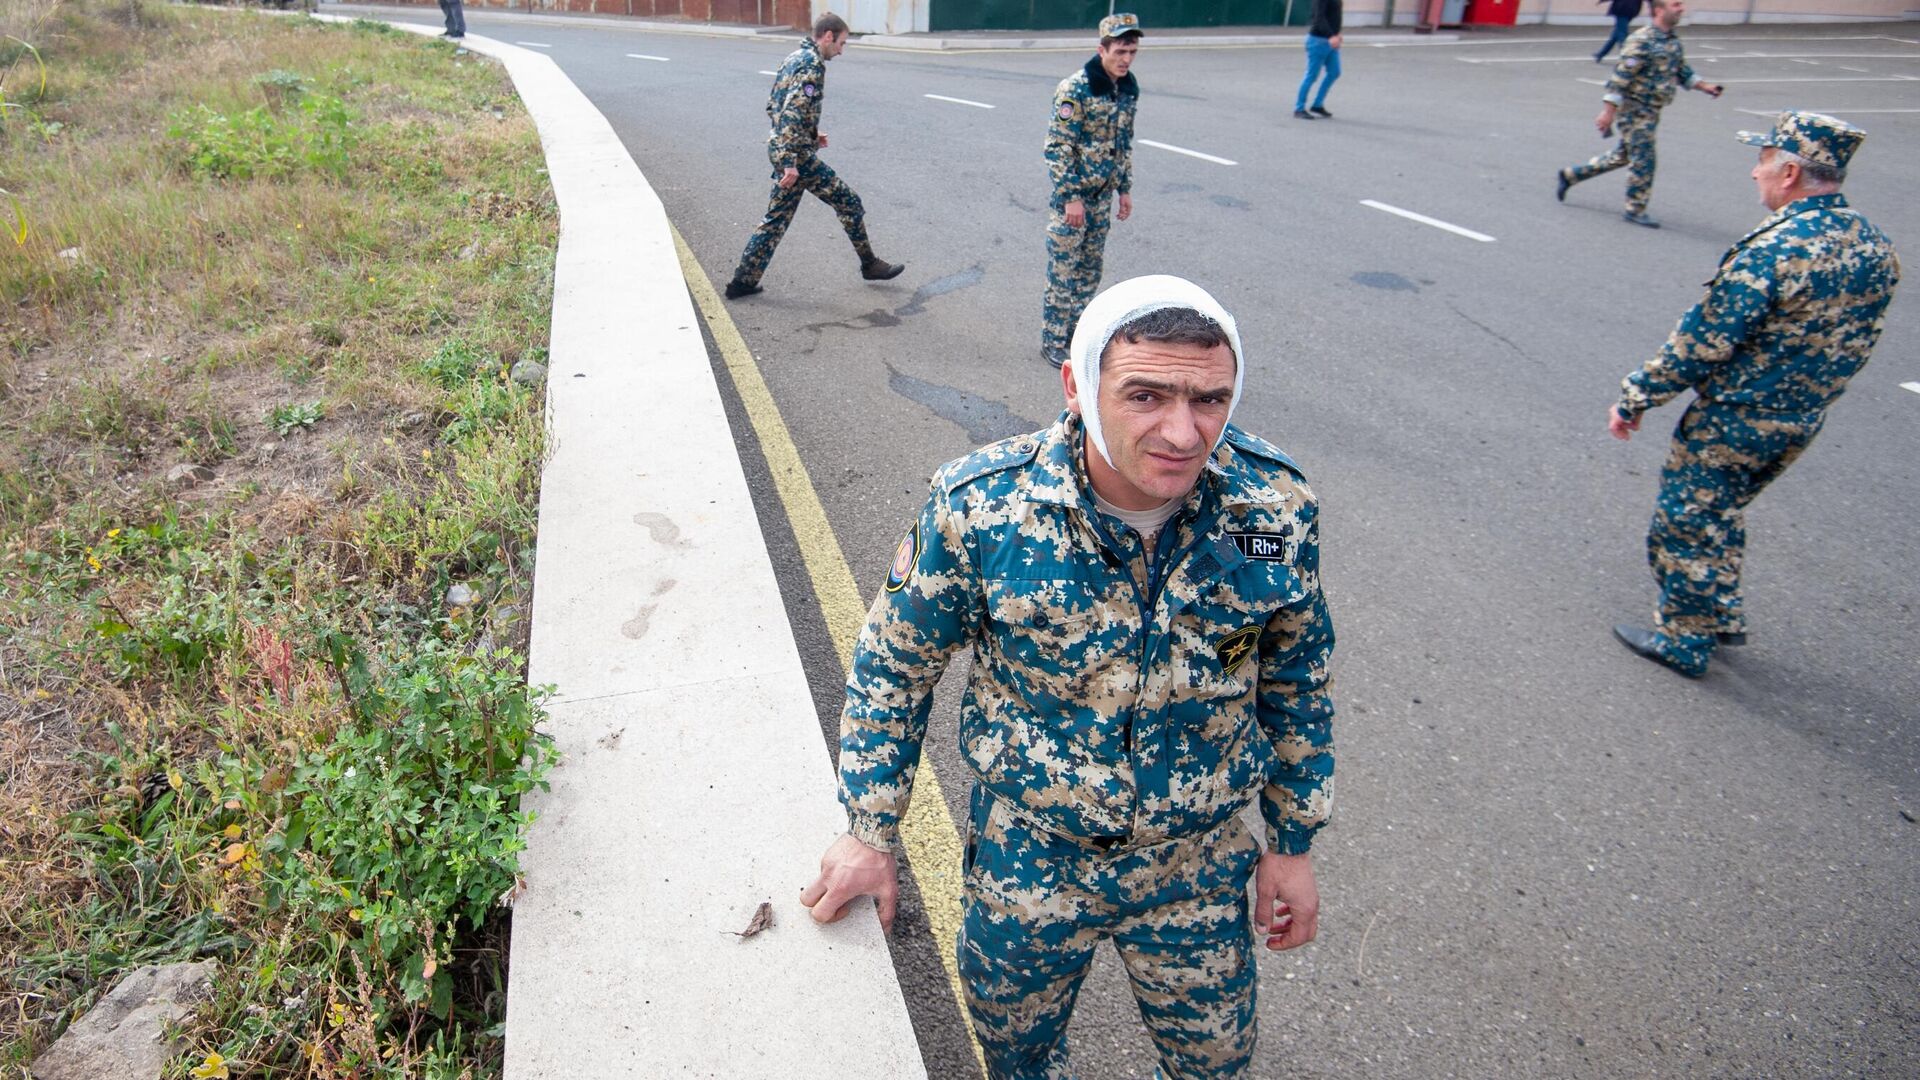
(1491, 13)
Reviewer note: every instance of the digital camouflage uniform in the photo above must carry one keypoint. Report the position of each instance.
(799, 91)
(1090, 158)
(1651, 69)
(1118, 715)
(1793, 313)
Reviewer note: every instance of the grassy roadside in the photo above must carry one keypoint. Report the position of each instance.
(267, 505)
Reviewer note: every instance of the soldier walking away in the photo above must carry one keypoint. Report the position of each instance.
(1090, 159)
(1793, 313)
(799, 91)
(1140, 586)
(1623, 12)
(1323, 54)
(1651, 65)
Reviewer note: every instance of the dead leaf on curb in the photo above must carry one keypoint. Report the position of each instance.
(762, 919)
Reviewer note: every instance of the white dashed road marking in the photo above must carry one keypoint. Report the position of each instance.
(1859, 71)
(1913, 386)
(1425, 220)
(1811, 78)
(534, 44)
(1795, 57)
(769, 73)
(1184, 150)
(959, 101)
(1833, 78)
(644, 56)
(1829, 112)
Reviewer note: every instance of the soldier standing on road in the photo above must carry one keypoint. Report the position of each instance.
(1140, 585)
(799, 90)
(1651, 65)
(1090, 158)
(1793, 313)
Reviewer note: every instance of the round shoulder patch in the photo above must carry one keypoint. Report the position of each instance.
(1066, 111)
(809, 89)
(904, 557)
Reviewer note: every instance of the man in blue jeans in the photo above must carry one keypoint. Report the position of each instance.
(1623, 12)
(1323, 54)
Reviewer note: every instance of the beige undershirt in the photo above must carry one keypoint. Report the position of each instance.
(1145, 522)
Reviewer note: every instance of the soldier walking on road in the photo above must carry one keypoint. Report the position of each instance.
(1793, 313)
(799, 90)
(1140, 585)
(1090, 158)
(1651, 65)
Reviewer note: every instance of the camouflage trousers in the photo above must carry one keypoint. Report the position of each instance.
(817, 177)
(1074, 259)
(1721, 458)
(1637, 123)
(1036, 906)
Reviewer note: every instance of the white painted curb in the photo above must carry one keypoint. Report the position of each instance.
(694, 783)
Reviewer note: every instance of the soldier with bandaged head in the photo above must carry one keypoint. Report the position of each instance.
(1140, 586)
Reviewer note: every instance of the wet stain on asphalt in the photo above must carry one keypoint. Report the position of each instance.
(983, 420)
(1380, 279)
(972, 275)
(1231, 203)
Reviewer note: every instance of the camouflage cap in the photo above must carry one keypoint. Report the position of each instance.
(1115, 25)
(1817, 138)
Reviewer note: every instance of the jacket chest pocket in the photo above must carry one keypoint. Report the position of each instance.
(1041, 633)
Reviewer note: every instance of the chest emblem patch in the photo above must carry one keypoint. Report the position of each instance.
(1234, 649)
(903, 559)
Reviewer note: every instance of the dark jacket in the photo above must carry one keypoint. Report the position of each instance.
(1622, 9)
(1326, 18)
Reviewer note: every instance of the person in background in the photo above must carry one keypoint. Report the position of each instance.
(1323, 55)
(1623, 12)
(1794, 312)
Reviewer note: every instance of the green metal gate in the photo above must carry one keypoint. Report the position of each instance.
(1086, 14)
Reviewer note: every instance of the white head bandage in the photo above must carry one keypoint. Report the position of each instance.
(1119, 306)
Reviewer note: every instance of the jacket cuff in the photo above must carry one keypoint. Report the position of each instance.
(1290, 841)
(1614, 99)
(874, 830)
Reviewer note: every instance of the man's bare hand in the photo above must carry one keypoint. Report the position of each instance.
(1076, 214)
(1125, 209)
(1334, 42)
(1712, 90)
(789, 178)
(823, 140)
(1604, 122)
(848, 871)
(1286, 902)
(1621, 427)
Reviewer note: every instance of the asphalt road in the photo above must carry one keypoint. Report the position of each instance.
(1550, 857)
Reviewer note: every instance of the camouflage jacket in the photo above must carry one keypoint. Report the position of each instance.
(1090, 136)
(1794, 311)
(1104, 699)
(1652, 65)
(799, 88)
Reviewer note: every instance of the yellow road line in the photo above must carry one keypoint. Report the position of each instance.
(932, 842)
